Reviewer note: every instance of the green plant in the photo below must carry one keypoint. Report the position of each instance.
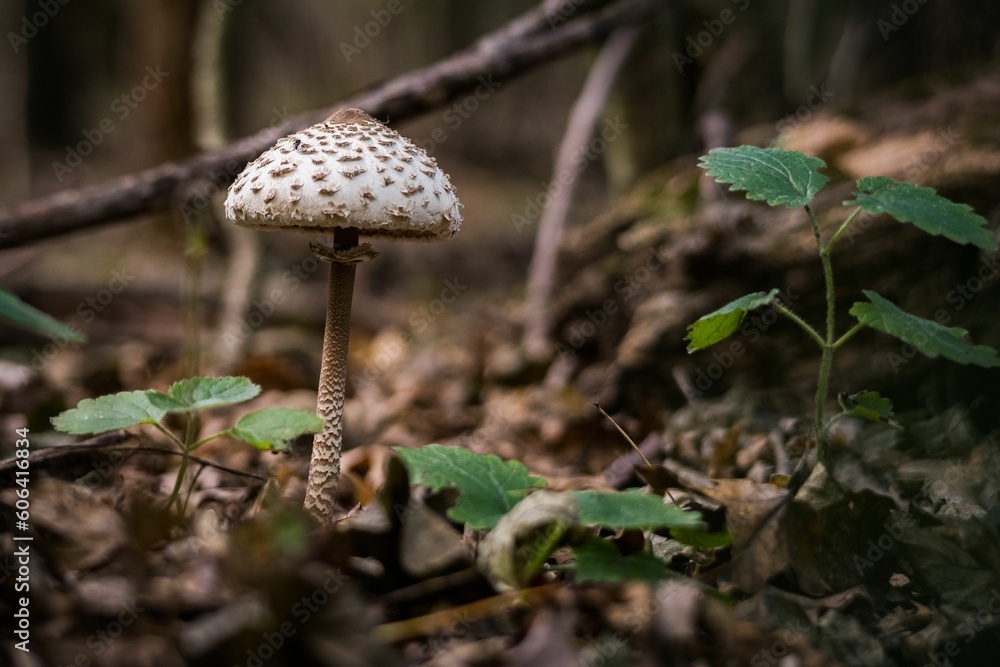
(527, 522)
(17, 312)
(267, 429)
(785, 178)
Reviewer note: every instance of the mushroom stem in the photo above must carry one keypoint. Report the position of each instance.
(324, 469)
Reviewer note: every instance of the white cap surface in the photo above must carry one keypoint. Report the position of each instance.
(348, 171)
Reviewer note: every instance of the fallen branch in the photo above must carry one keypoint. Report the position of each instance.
(525, 42)
(548, 239)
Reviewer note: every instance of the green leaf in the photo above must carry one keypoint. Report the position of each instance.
(778, 177)
(927, 336)
(201, 392)
(631, 509)
(923, 207)
(724, 322)
(108, 413)
(868, 405)
(272, 428)
(599, 560)
(18, 312)
(701, 539)
(489, 487)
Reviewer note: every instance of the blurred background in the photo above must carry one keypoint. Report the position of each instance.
(93, 90)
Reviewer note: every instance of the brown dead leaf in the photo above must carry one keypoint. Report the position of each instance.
(722, 449)
(753, 515)
(429, 545)
(365, 467)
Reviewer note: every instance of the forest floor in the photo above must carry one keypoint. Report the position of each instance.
(886, 553)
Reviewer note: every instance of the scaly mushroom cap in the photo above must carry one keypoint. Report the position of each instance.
(348, 171)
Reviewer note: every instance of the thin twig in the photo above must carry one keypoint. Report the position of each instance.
(521, 45)
(625, 435)
(440, 621)
(634, 446)
(195, 459)
(53, 457)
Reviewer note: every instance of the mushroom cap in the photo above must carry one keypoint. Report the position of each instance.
(349, 171)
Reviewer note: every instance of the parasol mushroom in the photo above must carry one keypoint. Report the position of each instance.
(349, 176)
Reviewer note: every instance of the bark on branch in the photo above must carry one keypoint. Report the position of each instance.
(539, 35)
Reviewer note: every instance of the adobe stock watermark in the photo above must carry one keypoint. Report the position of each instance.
(456, 114)
(263, 308)
(33, 23)
(494, 423)
(201, 194)
(944, 140)
(561, 11)
(417, 322)
(121, 108)
(714, 28)
(754, 325)
(958, 297)
(626, 288)
(816, 99)
(596, 147)
(774, 654)
(970, 626)
(901, 14)
(223, 7)
(103, 638)
(884, 544)
(364, 34)
(894, 529)
(87, 310)
(302, 611)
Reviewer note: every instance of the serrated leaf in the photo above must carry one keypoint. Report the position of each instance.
(599, 560)
(273, 428)
(631, 509)
(17, 312)
(778, 177)
(489, 487)
(724, 322)
(108, 413)
(869, 405)
(204, 392)
(700, 539)
(928, 337)
(924, 208)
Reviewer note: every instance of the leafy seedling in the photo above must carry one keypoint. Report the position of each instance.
(267, 429)
(787, 178)
(528, 522)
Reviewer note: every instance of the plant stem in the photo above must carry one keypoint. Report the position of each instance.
(843, 228)
(802, 323)
(850, 332)
(208, 438)
(189, 434)
(324, 468)
(834, 419)
(196, 247)
(173, 438)
(823, 383)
